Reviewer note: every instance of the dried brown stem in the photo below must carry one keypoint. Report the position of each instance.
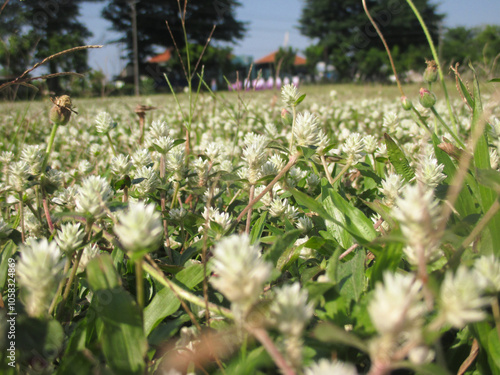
(203, 52)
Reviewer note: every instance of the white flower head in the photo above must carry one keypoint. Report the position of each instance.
(104, 123)
(121, 165)
(33, 155)
(93, 195)
(488, 271)
(240, 272)
(461, 301)
(307, 129)
(139, 228)
(391, 186)
(141, 158)
(353, 146)
(89, 252)
(370, 143)
(397, 304)
(70, 237)
(290, 310)
(150, 181)
(326, 367)
(39, 270)
(429, 172)
(289, 94)
(18, 175)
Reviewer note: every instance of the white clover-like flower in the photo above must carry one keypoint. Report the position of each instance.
(294, 176)
(290, 310)
(239, 271)
(488, 272)
(163, 144)
(18, 175)
(104, 122)
(307, 129)
(221, 218)
(391, 120)
(89, 252)
(391, 186)
(5, 229)
(141, 158)
(158, 129)
(70, 237)
(39, 271)
(93, 195)
(150, 181)
(255, 156)
(6, 157)
(460, 298)
(213, 150)
(304, 224)
(33, 155)
(139, 228)
(418, 215)
(177, 214)
(312, 181)
(278, 207)
(429, 172)
(353, 146)
(121, 165)
(175, 161)
(370, 143)
(66, 197)
(53, 178)
(397, 304)
(84, 167)
(289, 94)
(326, 367)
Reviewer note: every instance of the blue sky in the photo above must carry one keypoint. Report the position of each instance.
(269, 22)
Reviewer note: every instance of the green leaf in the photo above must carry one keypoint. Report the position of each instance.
(122, 338)
(489, 178)
(8, 251)
(494, 347)
(427, 369)
(398, 159)
(330, 333)
(353, 219)
(299, 100)
(351, 276)
(308, 202)
(38, 339)
(494, 80)
(258, 227)
(165, 302)
(307, 152)
(386, 260)
(482, 161)
(276, 252)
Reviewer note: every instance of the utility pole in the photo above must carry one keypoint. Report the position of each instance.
(135, 47)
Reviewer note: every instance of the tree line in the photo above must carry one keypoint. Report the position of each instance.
(341, 34)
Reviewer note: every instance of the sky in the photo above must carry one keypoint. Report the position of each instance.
(272, 23)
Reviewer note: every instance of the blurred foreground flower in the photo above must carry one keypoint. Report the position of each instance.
(239, 271)
(39, 270)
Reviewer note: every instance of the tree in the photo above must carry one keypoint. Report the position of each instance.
(347, 36)
(38, 29)
(152, 31)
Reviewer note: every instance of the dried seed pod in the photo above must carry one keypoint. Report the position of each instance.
(60, 113)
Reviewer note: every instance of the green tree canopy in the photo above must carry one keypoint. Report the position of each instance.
(152, 31)
(34, 30)
(348, 39)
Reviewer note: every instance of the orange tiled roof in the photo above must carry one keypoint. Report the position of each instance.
(162, 57)
(271, 58)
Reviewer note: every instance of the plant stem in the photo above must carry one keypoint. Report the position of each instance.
(440, 119)
(59, 288)
(249, 215)
(111, 144)
(344, 170)
(47, 211)
(328, 175)
(294, 112)
(21, 214)
(290, 164)
(174, 196)
(139, 282)
(436, 59)
(50, 146)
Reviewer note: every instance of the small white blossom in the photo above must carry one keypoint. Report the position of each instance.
(140, 228)
(104, 123)
(326, 367)
(93, 195)
(289, 94)
(39, 270)
(391, 186)
(488, 272)
(121, 165)
(89, 252)
(370, 143)
(429, 172)
(353, 146)
(461, 301)
(307, 129)
(70, 237)
(239, 271)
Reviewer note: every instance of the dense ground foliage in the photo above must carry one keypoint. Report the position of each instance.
(248, 233)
